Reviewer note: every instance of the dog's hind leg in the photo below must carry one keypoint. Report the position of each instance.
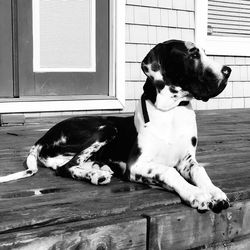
(85, 166)
(82, 167)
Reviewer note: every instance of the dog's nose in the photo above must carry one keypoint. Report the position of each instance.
(226, 71)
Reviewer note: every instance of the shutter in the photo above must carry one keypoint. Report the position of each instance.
(229, 18)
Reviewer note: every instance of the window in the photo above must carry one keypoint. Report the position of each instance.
(64, 35)
(223, 26)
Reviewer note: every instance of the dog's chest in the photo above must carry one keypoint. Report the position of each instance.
(168, 136)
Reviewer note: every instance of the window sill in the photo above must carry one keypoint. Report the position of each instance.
(25, 106)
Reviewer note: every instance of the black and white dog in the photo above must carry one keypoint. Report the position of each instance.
(155, 146)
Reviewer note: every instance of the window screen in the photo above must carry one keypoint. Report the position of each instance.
(64, 35)
(229, 18)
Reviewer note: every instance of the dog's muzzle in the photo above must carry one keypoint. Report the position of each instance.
(219, 87)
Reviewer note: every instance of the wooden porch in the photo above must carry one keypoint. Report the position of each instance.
(50, 212)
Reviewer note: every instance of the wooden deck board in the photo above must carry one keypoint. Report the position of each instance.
(224, 143)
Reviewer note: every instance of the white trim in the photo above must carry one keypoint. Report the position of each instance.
(36, 34)
(47, 106)
(36, 42)
(44, 70)
(217, 45)
(118, 77)
(119, 36)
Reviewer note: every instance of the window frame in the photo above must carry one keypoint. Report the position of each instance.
(116, 98)
(217, 45)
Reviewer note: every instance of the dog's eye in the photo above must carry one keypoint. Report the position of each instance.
(195, 55)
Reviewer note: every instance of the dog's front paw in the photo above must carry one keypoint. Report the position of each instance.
(219, 200)
(199, 199)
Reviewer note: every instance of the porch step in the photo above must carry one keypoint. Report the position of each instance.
(175, 227)
(181, 227)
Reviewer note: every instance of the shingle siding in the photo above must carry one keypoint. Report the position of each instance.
(149, 22)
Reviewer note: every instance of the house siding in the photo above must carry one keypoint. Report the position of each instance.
(149, 22)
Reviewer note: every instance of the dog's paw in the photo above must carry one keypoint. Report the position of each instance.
(219, 200)
(199, 199)
(93, 172)
(101, 175)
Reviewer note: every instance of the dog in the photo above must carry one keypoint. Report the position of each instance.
(157, 145)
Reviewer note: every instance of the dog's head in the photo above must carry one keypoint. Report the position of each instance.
(180, 69)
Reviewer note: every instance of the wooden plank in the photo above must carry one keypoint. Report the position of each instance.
(48, 201)
(241, 243)
(121, 234)
(69, 204)
(12, 119)
(183, 228)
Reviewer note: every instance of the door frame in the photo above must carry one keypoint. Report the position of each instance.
(116, 98)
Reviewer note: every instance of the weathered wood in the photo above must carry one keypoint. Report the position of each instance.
(67, 205)
(241, 243)
(87, 235)
(45, 202)
(180, 227)
(11, 120)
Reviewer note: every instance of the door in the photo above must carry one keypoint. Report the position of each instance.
(62, 48)
(6, 79)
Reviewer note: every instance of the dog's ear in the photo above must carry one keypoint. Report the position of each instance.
(151, 65)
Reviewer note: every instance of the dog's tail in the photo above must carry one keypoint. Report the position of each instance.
(31, 164)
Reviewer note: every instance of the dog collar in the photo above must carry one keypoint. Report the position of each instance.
(183, 103)
(145, 111)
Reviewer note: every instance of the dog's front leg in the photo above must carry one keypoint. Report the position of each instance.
(196, 174)
(170, 179)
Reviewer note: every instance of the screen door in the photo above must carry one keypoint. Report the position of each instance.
(63, 48)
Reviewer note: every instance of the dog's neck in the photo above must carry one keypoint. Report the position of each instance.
(180, 102)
